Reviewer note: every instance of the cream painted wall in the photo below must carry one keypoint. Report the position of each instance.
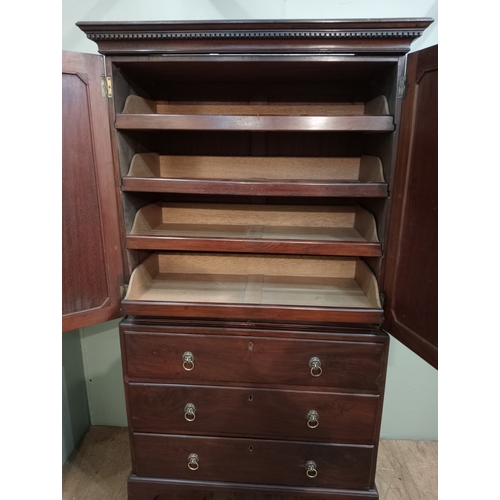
(411, 404)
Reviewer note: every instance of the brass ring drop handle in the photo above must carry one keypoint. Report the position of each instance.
(312, 419)
(311, 470)
(190, 412)
(193, 461)
(188, 361)
(315, 366)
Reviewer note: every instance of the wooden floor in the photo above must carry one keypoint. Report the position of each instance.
(98, 470)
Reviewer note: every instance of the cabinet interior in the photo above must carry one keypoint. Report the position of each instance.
(252, 160)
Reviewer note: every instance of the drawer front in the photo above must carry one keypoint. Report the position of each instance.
(259, 360)
(255, 461)
(234, 411)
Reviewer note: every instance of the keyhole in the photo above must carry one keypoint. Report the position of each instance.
(250, 398)
(250, 448)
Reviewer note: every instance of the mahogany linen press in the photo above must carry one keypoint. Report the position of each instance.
(259, 199)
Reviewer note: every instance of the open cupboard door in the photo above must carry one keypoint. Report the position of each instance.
(91, 248)
(411, 283)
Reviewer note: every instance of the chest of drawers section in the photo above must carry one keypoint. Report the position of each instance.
(240, 405)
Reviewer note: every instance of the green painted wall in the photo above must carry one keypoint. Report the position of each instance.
(411, 396)
(75, 408)
(103, 374)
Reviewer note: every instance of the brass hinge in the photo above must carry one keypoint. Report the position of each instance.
(123, 291)
(107, 87)
(402, 87)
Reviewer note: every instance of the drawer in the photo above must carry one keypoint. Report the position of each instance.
(194, 358)
(236, 411)
(252, 460)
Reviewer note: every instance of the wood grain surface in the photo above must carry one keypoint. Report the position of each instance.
(253, 360)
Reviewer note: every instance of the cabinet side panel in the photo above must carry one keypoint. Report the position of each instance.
(91, 247)
(412, 260)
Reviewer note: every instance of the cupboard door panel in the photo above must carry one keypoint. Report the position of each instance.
(91, 248)
(412, 262)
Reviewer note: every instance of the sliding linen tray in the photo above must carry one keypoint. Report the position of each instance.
(360, 176)
(305, 230)
(257, 287)
(144, 114)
